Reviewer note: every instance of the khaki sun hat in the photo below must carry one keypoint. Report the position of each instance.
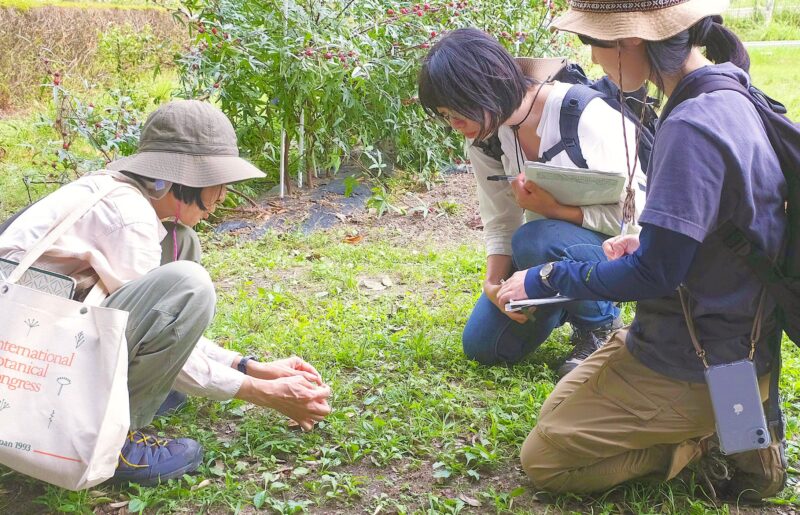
(191, 143)
(541, 68)
(651, 20)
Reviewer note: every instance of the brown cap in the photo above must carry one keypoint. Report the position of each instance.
(651, 20)
(191, 143)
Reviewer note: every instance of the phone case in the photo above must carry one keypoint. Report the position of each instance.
(738, 411)
(42, 280)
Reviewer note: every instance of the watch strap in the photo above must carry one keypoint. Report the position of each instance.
(242, 366)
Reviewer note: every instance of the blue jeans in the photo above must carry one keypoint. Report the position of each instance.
(490, 337)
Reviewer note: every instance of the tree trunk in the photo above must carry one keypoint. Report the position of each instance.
(287, 183)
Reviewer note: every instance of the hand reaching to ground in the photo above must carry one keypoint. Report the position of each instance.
(304, 401)
(286, 367)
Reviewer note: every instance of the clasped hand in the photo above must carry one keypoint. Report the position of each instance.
(291, 386)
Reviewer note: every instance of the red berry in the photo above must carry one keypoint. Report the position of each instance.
(420, 13)
(57, 81)
(91, 106)
(351, 53)
(425, 45)
(65, 146)
(328, 55)
(226, 36)
(309, 52)
(390, 12)
(214, 30)
(426, 7)
(433, 33)
(97, 125)
(404, 11)
(201, 29)
(216, 85)
(504, 34)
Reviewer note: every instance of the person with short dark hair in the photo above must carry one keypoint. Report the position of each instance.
(137, 243)
(641, 407)
(469, 80)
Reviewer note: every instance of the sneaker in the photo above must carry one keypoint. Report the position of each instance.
(174, 402)
(586, 342)
(713, 471)
(743, 477)
(148, 460)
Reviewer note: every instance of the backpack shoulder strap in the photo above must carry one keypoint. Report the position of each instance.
(575, 101)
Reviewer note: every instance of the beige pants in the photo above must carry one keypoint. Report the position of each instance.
(613, 419)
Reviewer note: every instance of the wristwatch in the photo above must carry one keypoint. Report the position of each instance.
(545, 272)
(242, 366)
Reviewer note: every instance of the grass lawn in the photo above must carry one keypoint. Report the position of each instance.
(776, 70)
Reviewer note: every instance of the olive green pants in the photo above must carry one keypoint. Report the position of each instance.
(612, 419)
(168, 309)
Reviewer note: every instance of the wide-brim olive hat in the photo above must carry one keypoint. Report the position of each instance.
(651, 20)
(191, 143)
(541, 69)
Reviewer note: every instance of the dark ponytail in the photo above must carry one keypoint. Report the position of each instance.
(722, 45)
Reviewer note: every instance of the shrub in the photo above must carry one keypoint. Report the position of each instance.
(349, 67)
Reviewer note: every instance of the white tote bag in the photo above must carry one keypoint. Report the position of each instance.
(63, 377)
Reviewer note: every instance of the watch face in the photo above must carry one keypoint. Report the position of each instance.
(546, 269)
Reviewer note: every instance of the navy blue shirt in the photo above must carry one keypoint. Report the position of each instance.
(712, 162)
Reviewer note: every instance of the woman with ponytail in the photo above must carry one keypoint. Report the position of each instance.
(640, 405)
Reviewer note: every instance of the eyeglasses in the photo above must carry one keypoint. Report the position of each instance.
(450, 117)
(586, 40)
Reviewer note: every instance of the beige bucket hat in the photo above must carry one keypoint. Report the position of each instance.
(651, 20)
(191, 143)
(541, 68)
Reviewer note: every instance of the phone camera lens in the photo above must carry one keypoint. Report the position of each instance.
(760, 440)
(760, 432)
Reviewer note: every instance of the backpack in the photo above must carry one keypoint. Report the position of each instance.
(575, 101)
(782, 279)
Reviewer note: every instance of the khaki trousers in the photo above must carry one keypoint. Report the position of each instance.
(612, 419)
(169, 309)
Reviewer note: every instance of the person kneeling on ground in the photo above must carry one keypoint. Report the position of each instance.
(469, 80)
(187, 155)
(641, 406)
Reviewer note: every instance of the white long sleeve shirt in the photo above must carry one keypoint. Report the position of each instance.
(120, 238)
(603, 147)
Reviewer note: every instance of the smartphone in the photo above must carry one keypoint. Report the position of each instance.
(738, 411)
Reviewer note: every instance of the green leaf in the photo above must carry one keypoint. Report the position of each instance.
(137, 505)
(259, 499)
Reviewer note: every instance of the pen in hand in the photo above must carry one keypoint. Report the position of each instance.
(501, 178)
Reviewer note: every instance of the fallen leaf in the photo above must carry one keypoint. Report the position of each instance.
(387, 281)
(321, 294)
(352, 240)
(202, 484)
(373, 285)
(118, 505)
(469, 500)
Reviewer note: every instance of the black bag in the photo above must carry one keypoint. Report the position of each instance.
(638, 109)
(782, 279)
